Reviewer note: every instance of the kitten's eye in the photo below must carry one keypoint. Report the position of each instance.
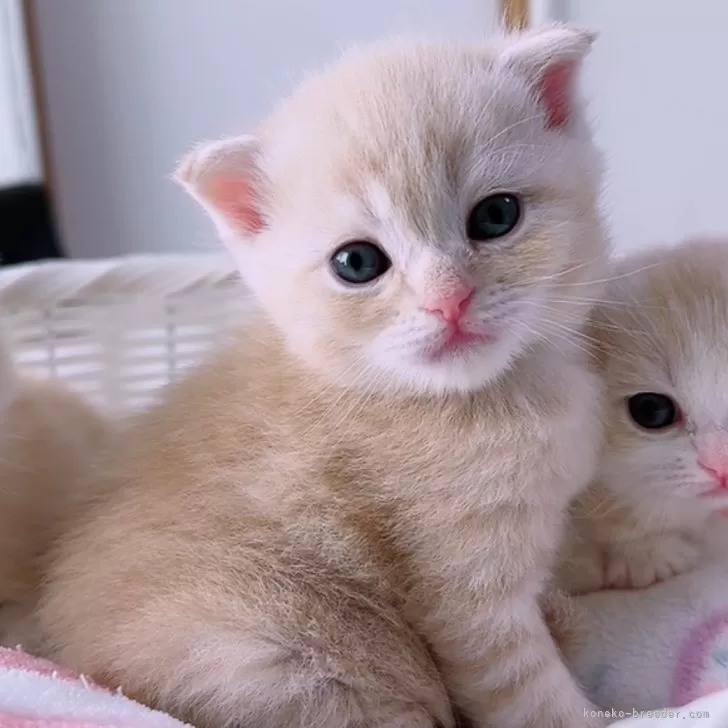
(360, 262)
(652, 411)
(493, 217)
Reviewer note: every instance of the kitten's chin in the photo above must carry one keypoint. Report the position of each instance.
(461, 369)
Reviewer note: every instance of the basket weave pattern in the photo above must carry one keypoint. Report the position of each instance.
(119, 330)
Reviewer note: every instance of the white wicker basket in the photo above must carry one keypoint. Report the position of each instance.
(118, 330)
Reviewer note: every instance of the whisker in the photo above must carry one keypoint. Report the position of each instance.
(357, 405)
(611, 278)
(510, 127)
(541, 336)
(560, 274)
(328, 387)
(332, 407)
(605, 507)
(601, 302)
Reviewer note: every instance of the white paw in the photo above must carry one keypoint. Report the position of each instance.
(637, 564)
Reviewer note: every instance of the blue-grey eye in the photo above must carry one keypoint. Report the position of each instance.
(652, 411)
(360, 262)
(493, 217)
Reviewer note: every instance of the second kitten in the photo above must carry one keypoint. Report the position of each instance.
(663, 348)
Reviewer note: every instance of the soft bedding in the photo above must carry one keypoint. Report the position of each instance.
(707, 712)
(648, 648)
(37, 694)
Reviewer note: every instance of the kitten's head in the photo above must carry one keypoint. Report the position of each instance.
(420, 213)
(664, 347)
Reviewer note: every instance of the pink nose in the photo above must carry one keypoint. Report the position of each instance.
(713, 454)
(451, 307)
(719, 476)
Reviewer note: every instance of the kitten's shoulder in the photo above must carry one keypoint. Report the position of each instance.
(221, 414)
(240, 382)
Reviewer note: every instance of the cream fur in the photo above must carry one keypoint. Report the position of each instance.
(48, 436)
(661, 329)
(321, 526)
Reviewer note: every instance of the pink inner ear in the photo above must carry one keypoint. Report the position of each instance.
(235, 198)
(556, 87)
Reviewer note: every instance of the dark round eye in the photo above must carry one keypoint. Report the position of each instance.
(360, 262)
(652, 411)
(493, 217)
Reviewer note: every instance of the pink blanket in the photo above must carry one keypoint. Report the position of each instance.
(37, 694)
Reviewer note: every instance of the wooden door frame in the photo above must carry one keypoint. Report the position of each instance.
(515, 14)
(520, 14)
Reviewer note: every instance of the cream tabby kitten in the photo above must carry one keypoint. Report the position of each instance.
(663, 348)
(48, 436)
(347, 518)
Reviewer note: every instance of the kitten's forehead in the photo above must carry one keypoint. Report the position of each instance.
(668, 325)
(413, 121)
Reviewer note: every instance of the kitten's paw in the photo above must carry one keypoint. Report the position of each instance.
(640, 563)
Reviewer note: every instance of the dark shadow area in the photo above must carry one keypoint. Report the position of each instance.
(27, 228)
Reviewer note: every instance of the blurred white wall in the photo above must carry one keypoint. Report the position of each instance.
(19, 148)
(131, 84)
(657, 83)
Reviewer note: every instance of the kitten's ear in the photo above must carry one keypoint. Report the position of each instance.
(551, 59)
(226, 179)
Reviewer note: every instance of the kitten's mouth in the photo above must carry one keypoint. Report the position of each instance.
(717, 492)
(457, 340)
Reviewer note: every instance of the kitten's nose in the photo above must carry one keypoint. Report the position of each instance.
(451, 306)
(713, 455)
(719, 476)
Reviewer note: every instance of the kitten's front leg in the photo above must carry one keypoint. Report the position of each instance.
(639, 562)
(504, 669)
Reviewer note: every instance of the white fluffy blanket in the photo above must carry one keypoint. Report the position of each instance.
(36, 694)
(662, 646)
